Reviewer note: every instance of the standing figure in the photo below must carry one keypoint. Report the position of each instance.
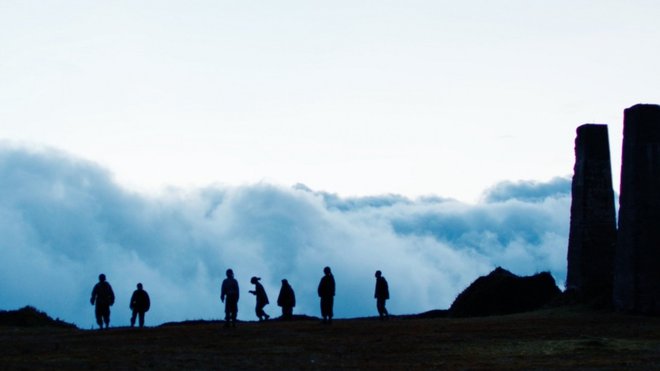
(230, 293)
(382, 293)
(140, 304)
(326, 292)
(286, 300)
(103, 297)
(262, 298)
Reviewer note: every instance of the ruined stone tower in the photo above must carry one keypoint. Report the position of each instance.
(592, 236)
(637, 257)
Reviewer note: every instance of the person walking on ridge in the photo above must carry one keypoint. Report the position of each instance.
(382, 293)
(140, 304)
(103, 297)
(262, 298)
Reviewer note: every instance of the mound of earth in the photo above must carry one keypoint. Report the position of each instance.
(502, 292)
(30, 317)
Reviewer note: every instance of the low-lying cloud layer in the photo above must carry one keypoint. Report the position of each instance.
(63, 221)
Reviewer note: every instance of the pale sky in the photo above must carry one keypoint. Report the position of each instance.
(353, 97)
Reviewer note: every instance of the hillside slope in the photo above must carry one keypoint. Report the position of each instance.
(556, 339)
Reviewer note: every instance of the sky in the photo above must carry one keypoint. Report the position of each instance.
(354, 97)
(165, 141)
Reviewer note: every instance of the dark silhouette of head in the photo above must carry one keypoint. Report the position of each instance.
(139, 286)
(285, 282)
(101, 277)
(326, 270)
(230, 273)
(378, 274)
(254, 280)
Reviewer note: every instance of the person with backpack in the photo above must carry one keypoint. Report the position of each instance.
(103, 297)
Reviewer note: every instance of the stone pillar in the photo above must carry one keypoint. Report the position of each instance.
(637, 257)
(592, 236)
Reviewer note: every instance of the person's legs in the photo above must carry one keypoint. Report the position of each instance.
(324, 313)
(99, 316)
(141, 314)
(261, 313)
(227, 312)
(133, 317)
(326, 308)
(331, 302)
(106, 316)
(382, 312)
(233, 308)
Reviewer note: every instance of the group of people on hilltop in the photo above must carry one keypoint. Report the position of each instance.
(229, 294)
(287, 298)
(103, 298)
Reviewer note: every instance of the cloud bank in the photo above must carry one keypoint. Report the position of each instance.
(63, 221)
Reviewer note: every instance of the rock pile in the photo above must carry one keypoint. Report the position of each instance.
(502, 292)
(30, 317)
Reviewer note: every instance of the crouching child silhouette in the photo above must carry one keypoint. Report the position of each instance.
(286, 300)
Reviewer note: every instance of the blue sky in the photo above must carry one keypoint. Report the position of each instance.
(356, 98)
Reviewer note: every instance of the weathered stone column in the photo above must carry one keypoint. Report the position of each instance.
(592, 236)
(637, 257)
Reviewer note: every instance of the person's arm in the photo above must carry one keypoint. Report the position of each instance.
(131, 305)
(93, 298)
(111, 294)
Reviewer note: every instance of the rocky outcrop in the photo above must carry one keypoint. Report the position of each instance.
(592, 236)
(637, 257)
(502, 292)
(30, 317)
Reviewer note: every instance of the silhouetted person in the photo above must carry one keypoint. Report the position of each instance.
(381, 294)
(326, 292)
(229, 296)
(286, 300)
(140, 304)
(262, 298)
(103, 297)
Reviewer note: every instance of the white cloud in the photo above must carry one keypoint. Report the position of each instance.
(63, 221)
